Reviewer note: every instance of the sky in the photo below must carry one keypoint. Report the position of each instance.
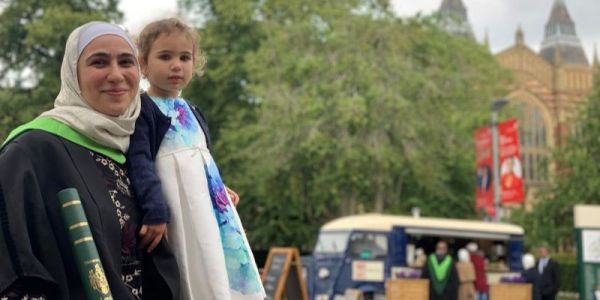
(500, 18)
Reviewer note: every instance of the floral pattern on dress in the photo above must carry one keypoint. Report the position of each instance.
(119, 190)
(238, 261)
(184, 130)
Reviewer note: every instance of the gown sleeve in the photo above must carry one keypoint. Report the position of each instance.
(23, 226)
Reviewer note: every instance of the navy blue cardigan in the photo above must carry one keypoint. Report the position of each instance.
(150, 129)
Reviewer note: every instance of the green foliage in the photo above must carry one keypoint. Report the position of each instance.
(227, 37)
(343, 111)
(568, 272)
(577, 182)
(33, 34)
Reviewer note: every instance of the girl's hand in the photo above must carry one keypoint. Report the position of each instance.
(235, 199)
(151, 235)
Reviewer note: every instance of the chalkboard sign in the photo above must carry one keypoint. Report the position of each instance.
(282, 275)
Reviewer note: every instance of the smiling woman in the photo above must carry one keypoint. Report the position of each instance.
(80, 144)
(112, 78)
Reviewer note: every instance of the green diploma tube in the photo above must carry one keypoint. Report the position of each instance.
(87, 259)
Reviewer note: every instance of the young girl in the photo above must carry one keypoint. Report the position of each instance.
(172, 170)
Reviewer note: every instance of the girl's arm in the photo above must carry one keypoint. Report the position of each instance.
(235, 198)
(142, 173)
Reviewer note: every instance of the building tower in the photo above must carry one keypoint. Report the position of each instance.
(560, 38)
(454, 18)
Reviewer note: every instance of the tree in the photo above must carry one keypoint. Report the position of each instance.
(228, 34)
(354, 110)
(33, 34)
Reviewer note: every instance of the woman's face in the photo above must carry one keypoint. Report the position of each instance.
(108, 75)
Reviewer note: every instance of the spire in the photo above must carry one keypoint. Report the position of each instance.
(454, 18)
(454, 7)
(560, 14)
(560, 36)
(519, 36)
(595, 55)
(486, 39)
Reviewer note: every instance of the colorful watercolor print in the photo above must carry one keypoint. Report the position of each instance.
(184, 131)
(241, 269)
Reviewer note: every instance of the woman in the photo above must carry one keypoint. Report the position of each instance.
(531, 275)
(80, 144)
(466, 276)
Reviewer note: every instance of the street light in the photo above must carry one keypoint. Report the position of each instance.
(496, 106)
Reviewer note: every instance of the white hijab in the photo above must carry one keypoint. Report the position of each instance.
(71, 109)
(528, 261)
(463, 255)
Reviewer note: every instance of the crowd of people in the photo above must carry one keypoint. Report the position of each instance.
(466, 279)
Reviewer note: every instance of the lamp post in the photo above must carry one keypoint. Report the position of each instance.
(496, 106)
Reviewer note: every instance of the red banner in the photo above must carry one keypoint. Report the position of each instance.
(511, 168)
(484, 193)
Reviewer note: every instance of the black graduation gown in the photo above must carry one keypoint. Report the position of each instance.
(549, 280)
(532, 276)
(451, 290)
(34, 245)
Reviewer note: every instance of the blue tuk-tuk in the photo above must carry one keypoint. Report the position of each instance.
(360, 252)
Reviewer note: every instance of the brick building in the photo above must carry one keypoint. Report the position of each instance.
(548, 87)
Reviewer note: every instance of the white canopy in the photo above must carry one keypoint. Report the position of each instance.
(425, 226)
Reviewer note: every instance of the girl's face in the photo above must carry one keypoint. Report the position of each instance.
(108, 75)
(170, 64)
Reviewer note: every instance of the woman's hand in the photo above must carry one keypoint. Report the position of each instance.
(235, 199)
(151, 235)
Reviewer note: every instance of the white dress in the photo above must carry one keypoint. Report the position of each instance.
(205, 231)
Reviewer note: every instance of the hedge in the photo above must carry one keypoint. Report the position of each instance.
(568, 271)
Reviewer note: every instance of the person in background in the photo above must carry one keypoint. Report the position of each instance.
(549, 271)
(466, 276)
(481, 286)
(442, 275)
(421, 258)
(531, 275)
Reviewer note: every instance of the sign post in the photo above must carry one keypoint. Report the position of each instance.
(587, 230)
(510, 167)
(484, 193)
(499, 167)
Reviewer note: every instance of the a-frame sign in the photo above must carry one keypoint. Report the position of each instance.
(282, 275)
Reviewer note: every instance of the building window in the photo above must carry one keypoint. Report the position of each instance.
(533, 134)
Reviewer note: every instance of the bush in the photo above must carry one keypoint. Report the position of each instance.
(568, 271)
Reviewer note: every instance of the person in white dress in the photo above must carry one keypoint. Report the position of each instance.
(176, 179)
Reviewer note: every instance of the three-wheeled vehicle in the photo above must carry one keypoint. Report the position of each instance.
(362, 251)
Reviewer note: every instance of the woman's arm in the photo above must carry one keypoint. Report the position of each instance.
(22, 227)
